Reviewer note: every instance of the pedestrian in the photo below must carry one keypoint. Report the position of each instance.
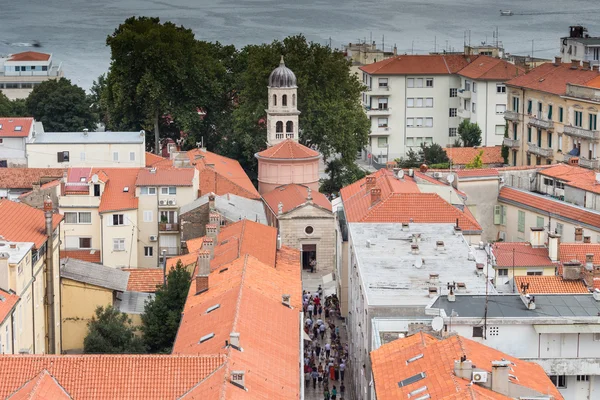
(342, 370)
(318, 350)
(333, 393)
(314, 375)
(331, 371)
(325, 379)
(310, 309)
(326, 394)
(337, 372)
(322, 331)
(317, 301)
(337, 331)
(313, 265)
(327, 350)
(320, 310)
(307, 378)
(342, 389)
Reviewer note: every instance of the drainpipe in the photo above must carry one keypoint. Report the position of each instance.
(48, 207)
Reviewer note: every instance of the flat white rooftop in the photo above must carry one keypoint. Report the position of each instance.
(89, 138)
(15, 251)
(393, 276)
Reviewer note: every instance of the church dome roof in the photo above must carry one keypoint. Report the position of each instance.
(282, 77)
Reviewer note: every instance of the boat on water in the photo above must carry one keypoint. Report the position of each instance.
(506, 13)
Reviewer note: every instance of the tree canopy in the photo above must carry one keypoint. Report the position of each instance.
(469, 133)
(505, 150)
(340, 175)
(61, 106)
(433, 155)
(110, 332)
(162, 315)
(6, 106)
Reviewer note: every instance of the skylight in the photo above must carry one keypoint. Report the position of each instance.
(126, 189)
(415, 358)
(412, 379)
(206, 337)
(213, 308)
(417, 391)
(0, 126)
(18, 128)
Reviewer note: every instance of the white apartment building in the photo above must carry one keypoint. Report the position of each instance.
(21, 72)
(415, 99)
(87, 149)
(15, 133)
(580, 46)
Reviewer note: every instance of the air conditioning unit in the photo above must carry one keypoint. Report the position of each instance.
(502, 236)
(162, 202)
(480, 377)
(171, 202)
(153, 238)
(437, 174)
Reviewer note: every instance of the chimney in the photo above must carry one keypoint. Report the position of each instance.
(211, 231)
(211, 201)
(215, 219)
(234, 340)
(439, 245)
(375, 195)
(208, 244)
(434, 278)
(557, 61)
(370, 182)
(433, 291)
(572, 270)
(500, 380)
(414, 249)
(285, 300)
(237, 379)
(587, 239)
(203, 271)
(536, 237)
(574, 64)
(586, 66)
(35, 186)
(463, 368)
(589, 262)
(578, 234)
(48, 208)
(553, 246)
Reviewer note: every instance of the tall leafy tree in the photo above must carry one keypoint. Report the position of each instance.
(162, 315)
(505, 150)
(469, 133)
(110, 332)
(61, 106)
(340, 175)
(6, 107)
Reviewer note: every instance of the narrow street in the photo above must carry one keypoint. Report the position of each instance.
(310, 283)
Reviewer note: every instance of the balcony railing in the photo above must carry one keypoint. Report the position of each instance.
(508, 142)
(541, 123)
(587, 163)
(511, 115)
(381, 90)
(166, 227)
(464, 94)
(540, 151)
(378, 111)
(464, 114)
(581, 133)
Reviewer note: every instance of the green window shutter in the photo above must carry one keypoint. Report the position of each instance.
(549, 140)
(528, 134)
(521, 226)
(590, 122)
(549, 112)
(497, 215)
(503, 215)
(529, 106)
(560, 114)
(539, 222)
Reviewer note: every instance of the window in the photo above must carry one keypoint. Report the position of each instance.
(44, 68)
(593, 120)
(148, 190)
(467, 86)
(293, 100)
(521, 224)
(131, 156)
(116, 156)
(168, 190)
(383, 104)
(419, 121)
(383, 82)
(534, 273)
(515, 130)
(148, 215)
(78, 218)
(429, 82)
(559, 228)
(549, 140)
(539, 137)
(500, 88)
(284, 100)
(118, 244)
(578, 118)
(452, 132)
(62, 156)
(478, 331)
(548, 182)
(309, 230)
(85, 243)
(429, 102)
(82, 156)
(453, 92)
(503, 272)
(529, 106)
(560, 185)
(117, 219)
(410, 82)
(382, 122)
(148, 251)
(85, 217)
(419, 82)
(274, 99)
(539, 222)
(289, 126)
(410, 122)
(474, 87)
(516, 104)
(473, 107)
(420, 102)
(528, 134)
(453, 112)
(382, 141)
(279, 127)
(500, 108)
(500, 129)
(429, 122)
(549, 112)
(410, 102)
(410, 141)
(70, 218)
(560, 114)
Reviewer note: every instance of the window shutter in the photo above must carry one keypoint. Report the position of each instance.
(60, 156)
(549, 112)
(503, 215)
(497, 215)
(529, 106)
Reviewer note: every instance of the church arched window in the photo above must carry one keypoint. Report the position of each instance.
(284, 100)
(274, 99)
(279, 127)
(293, 100)
(289, 126)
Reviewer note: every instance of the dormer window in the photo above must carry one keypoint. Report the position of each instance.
(18, 128)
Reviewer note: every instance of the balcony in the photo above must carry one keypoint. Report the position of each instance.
(511, 116)
(581, 133)
(508, 142)
(540, 151)
(167, 227)
(464, 94)
(464, 114)
(380, 91)
(587, 163)
(372, 112)
(541, 123)
(380, 131)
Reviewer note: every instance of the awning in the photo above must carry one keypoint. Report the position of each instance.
(571, 328)
(306, 337)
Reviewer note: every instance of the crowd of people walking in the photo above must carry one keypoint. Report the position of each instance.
(325, 356)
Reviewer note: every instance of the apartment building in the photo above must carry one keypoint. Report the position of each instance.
(21, 72)
(414, 99)
(15, 133)
(550, 119)
(29, 280)
(580, 46)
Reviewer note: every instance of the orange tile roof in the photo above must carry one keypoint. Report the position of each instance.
(595, 83)
(401, 201)
(577, 251)
(8, 302)
(292, 196)
(30, 56)
(144, 279)
(550, 285)
(524, 255)
(390, 367)
(289, 150)
(221, 175)
(42, 387)
(102, 377)
(490, 68)
(434, 64)
(152, 159)
(8, 127)
(93, 256)
(553, 79)
(24, 178)
(473, 173)
(464, 155)
(186, 260)
(165, 177)
(113, 197)
(574, 176)
(558, 209)
(22, 223)
(193, 245)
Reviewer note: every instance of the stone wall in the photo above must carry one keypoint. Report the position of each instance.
(193, 223)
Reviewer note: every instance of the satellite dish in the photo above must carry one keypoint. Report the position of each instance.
(437, 324)
(418, 263)
(95, 178)
(450, 178)
(400, 174)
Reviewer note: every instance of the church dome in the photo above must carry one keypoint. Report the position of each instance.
(282, 77)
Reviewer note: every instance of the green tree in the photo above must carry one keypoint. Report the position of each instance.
(97, 101)
(469, 133)
(505, 149)
(162, 315)
(476, 162)
(6, 107)
(340, 175)
(110, 332)
(411, 160)
(61, 106)
(434, 154)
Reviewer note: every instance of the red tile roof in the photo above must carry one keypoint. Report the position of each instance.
(152, 159)
(524, 255)
(7, 303)
(550, 285)
(144, 279)
(119, 376)
(30, 56)
(490, 68)
(221, 175)
(390, 367)
(434, 64)
(22, 223)
(574, 176)
(400, 201)
(42, 387)
(464, 155)
(93, 256)
(559, 209)
(578, 251)
(166, 177)
(292, 196)
(289, 150)
(477, 173)
(113, 197)
(552, 78)
(595, 83)
(8, 127)
(186, 260)
(24, 178)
